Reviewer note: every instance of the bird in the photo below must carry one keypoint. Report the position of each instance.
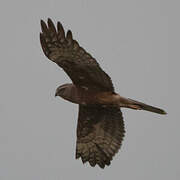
(100, 129)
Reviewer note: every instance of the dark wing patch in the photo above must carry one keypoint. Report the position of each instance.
(100, 133)
(80, 66)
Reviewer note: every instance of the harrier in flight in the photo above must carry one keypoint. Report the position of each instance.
(100, 129)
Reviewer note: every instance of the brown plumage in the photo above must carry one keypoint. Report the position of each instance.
(100, 128)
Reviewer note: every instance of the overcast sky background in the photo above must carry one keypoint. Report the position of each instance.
(136, 42)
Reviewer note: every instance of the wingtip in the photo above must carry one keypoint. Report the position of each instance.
(43, 26)
(41, 22)
(69, 35)
(49, 20)
(59, 25)
(60, 30)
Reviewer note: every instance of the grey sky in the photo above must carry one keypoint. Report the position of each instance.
(135, 41)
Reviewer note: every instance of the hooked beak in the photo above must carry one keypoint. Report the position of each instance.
(56, 94)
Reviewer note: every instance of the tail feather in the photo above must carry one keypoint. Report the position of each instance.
(146, 107)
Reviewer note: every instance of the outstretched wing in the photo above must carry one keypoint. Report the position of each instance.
(80, 66)
(100, 133)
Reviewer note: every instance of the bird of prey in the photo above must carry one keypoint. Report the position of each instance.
(100, 129)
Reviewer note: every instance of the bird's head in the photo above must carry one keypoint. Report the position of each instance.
(63, 90)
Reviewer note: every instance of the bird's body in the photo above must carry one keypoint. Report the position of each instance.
(84, 96)
(100, 128)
